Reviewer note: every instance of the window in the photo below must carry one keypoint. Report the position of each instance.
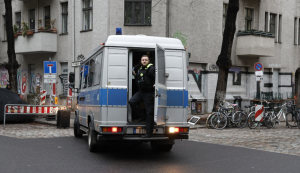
(47, 17)
(18, 20)
(91, 73)
(32, 19)
(266, 22)
(299, 32)
(137, 12)
(225, 9)
(85, 71)
(248, 18)
(161, 66)
(64, 16)
(64, 78)
(279, 28)
(272, 23)
(295, 30)
(97, 75)
(31, 74)
(87, 14)
(4, 28)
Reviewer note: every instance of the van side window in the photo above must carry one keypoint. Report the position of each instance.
(161, 66)
(98, 67)
(85, 75)
(91, 73)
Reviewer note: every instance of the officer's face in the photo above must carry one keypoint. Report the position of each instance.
(144, 61)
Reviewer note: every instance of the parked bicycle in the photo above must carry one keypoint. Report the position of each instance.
(267, 121)
(228, 115)
(292, 116)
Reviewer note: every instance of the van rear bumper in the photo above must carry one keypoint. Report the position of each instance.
(139, 138)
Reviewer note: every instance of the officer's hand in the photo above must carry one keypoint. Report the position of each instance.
(133, 72)
(154, 85)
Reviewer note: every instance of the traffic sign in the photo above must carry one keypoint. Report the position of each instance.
(49, 76)
(259, 78)
(49, 80)
(258, 66)
(259, 73)
(50, 67)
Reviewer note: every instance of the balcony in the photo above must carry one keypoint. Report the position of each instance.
(255, 44)
(39, 42)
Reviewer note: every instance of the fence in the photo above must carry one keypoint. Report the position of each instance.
(14, 109)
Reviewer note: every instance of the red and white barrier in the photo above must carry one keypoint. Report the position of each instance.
(43, 97)
(30, 109)
(259, 112)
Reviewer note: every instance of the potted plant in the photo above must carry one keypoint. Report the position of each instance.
(52, 22)
(26, 30)
(15, 30)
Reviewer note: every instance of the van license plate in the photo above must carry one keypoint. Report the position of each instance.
(142, 131)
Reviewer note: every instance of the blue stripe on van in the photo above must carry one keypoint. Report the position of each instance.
(175, 98)
(117, 97)
(186, 98)
(103, 97)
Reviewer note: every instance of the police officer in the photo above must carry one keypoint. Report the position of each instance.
(145, 78)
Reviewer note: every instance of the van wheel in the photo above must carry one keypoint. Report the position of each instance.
(92, 139)
(161, 147)
(77, 129)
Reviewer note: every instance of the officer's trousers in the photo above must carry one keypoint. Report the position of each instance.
(149, 104)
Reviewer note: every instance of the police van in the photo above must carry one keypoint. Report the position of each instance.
(107, 84)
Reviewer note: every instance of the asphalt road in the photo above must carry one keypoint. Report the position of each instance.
(69, 154)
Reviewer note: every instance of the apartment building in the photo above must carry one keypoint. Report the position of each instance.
(83, 24)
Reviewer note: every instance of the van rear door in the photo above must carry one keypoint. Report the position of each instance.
(160, 86)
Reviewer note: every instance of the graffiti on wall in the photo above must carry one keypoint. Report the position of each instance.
(3, 77)
(196, 72)
(213, 67)
(237, 77)
(181, 37)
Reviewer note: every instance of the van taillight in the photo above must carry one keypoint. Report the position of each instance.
(112, 129)
(178, 129)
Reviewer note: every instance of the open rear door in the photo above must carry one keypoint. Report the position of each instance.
(160, 86)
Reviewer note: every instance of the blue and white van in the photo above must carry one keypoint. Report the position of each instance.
(107, 84)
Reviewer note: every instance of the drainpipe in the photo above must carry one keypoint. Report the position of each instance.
(168, 19)
(74, 59)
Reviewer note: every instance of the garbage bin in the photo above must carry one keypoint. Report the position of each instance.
(63, 119)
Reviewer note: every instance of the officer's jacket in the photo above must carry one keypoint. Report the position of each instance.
(146, 78)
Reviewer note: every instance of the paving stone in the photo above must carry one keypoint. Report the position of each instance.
(280, 139)
(34, 130)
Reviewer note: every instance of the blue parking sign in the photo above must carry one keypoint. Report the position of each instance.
(50, 67)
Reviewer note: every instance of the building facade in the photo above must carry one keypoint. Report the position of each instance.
(84, 24)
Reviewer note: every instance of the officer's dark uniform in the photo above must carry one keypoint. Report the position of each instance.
(145, 79)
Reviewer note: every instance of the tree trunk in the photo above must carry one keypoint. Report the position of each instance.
(12, 65)
(224, 59)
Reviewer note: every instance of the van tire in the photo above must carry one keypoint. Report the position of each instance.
(161, 147)
(77, 130)
(92, 139)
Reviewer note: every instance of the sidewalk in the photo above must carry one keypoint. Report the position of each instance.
(42, 120)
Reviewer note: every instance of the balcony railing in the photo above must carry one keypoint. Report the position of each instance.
(39, 42)
(255, 44)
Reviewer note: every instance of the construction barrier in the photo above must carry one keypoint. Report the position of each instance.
(14, 109)
(259, 112)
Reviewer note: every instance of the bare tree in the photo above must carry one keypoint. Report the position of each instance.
(224, 59)
(12, 65)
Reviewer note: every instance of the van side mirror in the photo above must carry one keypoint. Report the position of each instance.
(71, 77)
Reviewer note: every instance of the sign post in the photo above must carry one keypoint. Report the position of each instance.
(259, 77)
(50, 71)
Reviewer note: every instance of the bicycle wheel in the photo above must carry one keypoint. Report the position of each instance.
(252, 124)
(208, 123)
(241, 120)
(269, 122)
(219, 121)
(291, 121)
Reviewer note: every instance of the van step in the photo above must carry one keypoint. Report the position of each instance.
(145, 139)
(84, 129)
